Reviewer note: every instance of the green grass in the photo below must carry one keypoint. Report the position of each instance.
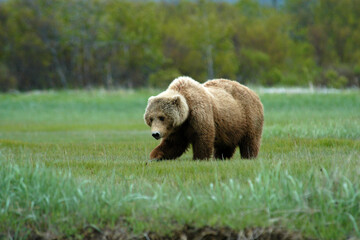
(73, 158)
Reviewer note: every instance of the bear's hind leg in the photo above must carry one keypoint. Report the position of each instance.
(224, 152)
(249, 147)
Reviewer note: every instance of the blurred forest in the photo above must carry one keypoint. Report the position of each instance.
(122, 43)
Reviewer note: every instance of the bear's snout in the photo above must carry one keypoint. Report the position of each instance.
(156, 135)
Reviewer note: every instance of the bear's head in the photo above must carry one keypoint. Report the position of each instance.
(165, 112)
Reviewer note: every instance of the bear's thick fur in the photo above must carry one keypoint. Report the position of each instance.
(215, 117)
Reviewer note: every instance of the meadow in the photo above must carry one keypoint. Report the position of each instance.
(73, 159)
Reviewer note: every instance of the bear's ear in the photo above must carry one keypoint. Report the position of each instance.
(176, 100)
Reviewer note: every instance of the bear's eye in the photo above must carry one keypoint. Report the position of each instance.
(162, 119)
(151, 119)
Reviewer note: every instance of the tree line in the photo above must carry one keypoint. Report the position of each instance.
(90, 43)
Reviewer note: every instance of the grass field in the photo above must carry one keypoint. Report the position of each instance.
(72, 159)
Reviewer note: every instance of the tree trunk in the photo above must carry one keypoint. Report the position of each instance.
(274, 3)
(210, 62)
(58, 67)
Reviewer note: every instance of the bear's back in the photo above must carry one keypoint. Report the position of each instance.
(232, 87)
(235, 89)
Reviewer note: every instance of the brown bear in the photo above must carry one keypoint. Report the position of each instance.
(215, 117)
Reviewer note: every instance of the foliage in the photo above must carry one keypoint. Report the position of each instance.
(77, 43)
(163, 78)
(74, 159)
(7, 81)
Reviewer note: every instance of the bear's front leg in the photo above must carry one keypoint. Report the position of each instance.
(203, 147)
(157, 153)
(203, 139)
(169, 149)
